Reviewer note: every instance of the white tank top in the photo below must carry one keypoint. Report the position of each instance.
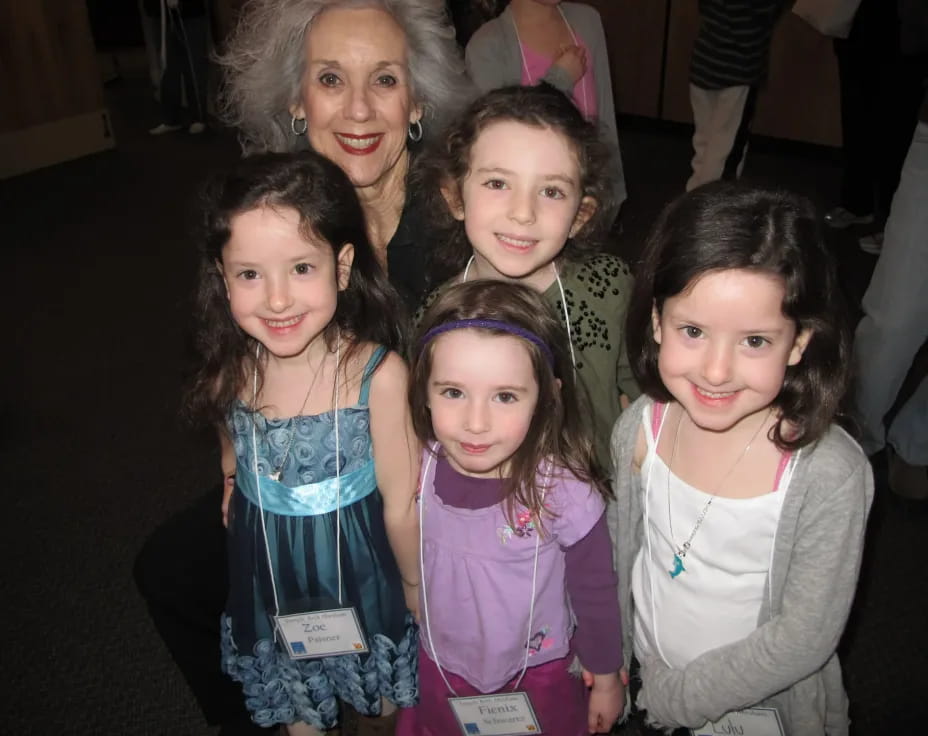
(717, 599)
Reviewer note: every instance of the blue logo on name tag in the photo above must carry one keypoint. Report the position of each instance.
(472, 728)
(297, 647)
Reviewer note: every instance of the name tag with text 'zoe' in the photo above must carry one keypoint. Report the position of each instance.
(747, 722)
(321, 633)
(507, 714)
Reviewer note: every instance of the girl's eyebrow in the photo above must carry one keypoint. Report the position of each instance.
(508, 172)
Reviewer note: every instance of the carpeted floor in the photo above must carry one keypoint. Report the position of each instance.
(95, 455)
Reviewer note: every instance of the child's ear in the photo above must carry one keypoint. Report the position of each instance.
(222, 272)
(345, 259)
(799, 345)
(656, 324)
(587, 208)
(452, 194)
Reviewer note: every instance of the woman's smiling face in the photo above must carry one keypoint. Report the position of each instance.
(356, 95)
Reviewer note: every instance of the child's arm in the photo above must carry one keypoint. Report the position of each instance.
(396, 462)
(803, 634)
(227, 463)
(591, 585)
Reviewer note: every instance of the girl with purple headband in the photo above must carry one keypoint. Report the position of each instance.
(516, 578)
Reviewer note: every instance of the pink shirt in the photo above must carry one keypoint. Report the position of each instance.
(478, 578)
(584, 91)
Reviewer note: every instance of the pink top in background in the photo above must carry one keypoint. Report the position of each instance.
(584, 92)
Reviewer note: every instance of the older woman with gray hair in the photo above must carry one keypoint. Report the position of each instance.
(362, 82)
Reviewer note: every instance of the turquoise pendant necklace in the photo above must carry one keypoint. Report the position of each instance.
(680, 551)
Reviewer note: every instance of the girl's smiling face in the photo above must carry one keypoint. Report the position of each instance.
(282, 288)
(482, 394)
(520, 201)
(725, 345)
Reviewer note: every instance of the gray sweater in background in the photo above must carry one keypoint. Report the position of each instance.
(789, 661)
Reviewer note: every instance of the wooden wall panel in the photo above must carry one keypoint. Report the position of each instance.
(681, 33)
(48, 65)
(802, 100)
(634, 31)
(50, 82)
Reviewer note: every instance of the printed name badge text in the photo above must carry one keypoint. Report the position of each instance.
(747, 722)
(508, 714)
(321, 633)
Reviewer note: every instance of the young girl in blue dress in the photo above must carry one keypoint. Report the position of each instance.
(298, 333)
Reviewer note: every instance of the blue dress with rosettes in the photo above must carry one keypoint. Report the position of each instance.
(300, 519)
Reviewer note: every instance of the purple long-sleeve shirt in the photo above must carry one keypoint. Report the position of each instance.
(590, 580)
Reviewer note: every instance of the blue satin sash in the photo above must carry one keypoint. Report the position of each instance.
(312, 499)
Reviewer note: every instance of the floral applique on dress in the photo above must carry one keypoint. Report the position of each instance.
(523, 528)
(540, 641)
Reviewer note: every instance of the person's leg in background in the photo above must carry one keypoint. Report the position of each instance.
(717, 115)
(895, 322)
(192, 36)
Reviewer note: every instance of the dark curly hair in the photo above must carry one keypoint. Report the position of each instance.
(729, 225)
(446, 163)
(367, 310)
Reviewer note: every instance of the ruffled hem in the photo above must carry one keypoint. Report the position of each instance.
(282, 690)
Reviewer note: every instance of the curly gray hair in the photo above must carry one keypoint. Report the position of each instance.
(264, 63)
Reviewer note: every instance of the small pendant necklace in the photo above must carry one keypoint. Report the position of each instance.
(275, 475)
(680, 551)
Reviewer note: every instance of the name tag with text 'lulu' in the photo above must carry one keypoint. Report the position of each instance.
(321, 633)
(747, 722)
(506, 714)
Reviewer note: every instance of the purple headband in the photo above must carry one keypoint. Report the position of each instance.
(490, 324)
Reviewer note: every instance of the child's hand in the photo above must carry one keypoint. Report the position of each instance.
(572, 59)
(227, 487)
(607, 700)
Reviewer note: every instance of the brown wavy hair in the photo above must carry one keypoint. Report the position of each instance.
(730, 225)
(446, 163)
(368, 309)
(557, 431)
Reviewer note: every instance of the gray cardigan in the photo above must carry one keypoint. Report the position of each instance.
(493, 60)
(789, 660)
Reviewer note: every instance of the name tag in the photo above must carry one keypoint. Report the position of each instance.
(747, 722)
(507, 714)
(321, 633)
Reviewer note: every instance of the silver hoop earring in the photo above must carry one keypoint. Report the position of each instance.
(293, 122)
(415, 131)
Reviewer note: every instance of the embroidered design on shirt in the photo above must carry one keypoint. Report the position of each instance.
(523, 528)
(539, 641)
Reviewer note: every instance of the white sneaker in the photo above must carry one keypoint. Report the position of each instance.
(841, 218)
(163, 128)
(872, 244)
(196, 128)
